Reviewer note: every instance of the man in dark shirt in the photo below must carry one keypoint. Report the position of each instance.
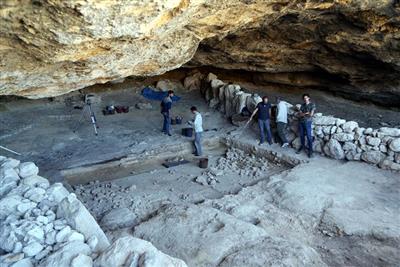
(305, 115)
(166, 105)
(264, 114)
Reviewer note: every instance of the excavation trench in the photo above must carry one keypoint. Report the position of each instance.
(233, 165)
(153, 159)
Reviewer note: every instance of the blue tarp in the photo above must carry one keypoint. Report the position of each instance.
(149, 93)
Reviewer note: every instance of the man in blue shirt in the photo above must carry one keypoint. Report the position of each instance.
(166, 105)
(264, 114)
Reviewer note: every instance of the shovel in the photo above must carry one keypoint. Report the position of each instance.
(244, 128)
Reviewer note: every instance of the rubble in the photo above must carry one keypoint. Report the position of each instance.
(42, 225)
(235, 161)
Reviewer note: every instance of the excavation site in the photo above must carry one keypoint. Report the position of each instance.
(174, 133)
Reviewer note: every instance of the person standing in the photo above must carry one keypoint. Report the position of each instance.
(197, 124)
(305, 115)
(281, 120)
(166, 105)
(264, 114)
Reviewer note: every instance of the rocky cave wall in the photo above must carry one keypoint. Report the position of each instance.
(52, 47)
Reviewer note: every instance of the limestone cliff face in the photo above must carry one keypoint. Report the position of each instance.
(51, 47)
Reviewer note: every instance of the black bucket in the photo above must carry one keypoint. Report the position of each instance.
(203, 163)
(188, 132)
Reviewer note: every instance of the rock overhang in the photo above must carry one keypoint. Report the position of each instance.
(51, 48)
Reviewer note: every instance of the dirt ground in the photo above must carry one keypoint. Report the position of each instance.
(43, 131)
(253, 206)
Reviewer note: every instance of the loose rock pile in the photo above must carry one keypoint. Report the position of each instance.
(35, 220)
(102, 197)
(45, 225)
(334, 137)
(236, 161)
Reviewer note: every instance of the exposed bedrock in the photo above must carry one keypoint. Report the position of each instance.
(52, 47)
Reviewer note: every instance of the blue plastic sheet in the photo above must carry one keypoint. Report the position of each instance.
(151, 94)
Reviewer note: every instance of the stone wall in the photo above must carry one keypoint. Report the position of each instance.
(334, 137)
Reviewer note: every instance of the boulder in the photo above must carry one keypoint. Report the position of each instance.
(324, 120)
(373, 141)
(57, 192)
(211, 76)
(37, 233)
(8, 180)
(395, 145)
(35, 194)
(79, 218)
(251, 102)
(334, 149)
(395, 132)
(10, 163)
(166, 85)
(32, 249)
(349, 126)
(215, 84)
(344, 137)
(389, 165)
(118, 218)
(318, 145)
(62, 235)
(36, 181)
(340, 122)
(201, 180)
(64, 256)
(193, 81)
(353, 155)
(27, 169)
(8, 205)
(373, 157)
(368, 131)
(326, 130)
(75, 236)
(349, 146)
(131, 251)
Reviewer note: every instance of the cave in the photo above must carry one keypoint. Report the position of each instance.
(199, 133)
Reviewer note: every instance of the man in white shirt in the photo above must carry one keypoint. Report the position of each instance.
(197, 124)
(281, 121)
